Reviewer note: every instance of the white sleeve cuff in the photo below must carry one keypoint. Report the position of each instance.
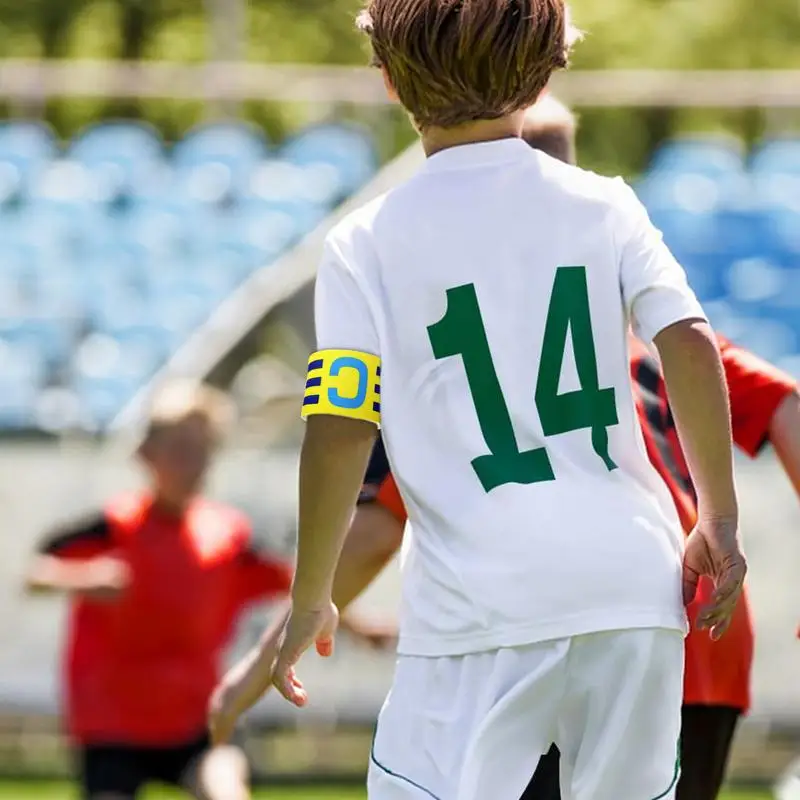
(661, 306)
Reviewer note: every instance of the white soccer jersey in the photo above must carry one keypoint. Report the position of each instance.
(497, 287)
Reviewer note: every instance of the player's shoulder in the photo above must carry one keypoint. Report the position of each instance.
(126, 508)
(225, 516)
(357, 224)
(583, 183)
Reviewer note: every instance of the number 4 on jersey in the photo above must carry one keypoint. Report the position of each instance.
(461, 332)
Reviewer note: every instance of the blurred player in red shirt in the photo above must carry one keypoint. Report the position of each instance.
(157, 581)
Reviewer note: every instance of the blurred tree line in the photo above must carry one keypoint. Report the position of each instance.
(718, 34)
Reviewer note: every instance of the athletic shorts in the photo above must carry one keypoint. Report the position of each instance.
(123, 769)
(473, 727)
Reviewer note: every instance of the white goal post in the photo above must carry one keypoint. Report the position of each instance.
(34, 80)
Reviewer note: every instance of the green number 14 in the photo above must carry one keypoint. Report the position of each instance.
(461, 332)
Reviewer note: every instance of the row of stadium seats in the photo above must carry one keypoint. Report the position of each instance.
(124, 159)
(114, 247)
(733, 221)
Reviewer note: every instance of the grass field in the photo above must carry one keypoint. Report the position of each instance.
(62, 791)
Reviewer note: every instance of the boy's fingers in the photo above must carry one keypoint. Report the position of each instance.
(287, 683)
(324, 646)
(690, 583)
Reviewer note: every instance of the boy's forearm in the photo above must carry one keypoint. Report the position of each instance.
(784, 434)
(333, 460)
(698, 397)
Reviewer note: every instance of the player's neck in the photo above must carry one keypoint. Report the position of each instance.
(484, 130)
(170, 506)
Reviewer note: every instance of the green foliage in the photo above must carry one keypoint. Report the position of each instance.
(714, 34)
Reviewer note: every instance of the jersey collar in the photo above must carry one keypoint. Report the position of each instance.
(501, 151)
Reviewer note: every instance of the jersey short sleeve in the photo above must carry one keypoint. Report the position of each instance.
(654, 285)
(344, 374)
(756, 389)
(343, 316)
(82, 539)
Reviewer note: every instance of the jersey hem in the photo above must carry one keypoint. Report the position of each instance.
(519, 636)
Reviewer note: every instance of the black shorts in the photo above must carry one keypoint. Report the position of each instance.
(545, 784)
(706, 738)
(123, 769)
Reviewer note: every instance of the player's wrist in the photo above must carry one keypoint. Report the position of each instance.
(311, 600)
(719, 516)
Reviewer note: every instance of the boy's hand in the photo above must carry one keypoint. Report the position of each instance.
(104, 579)
(304, 628)
(713, 549)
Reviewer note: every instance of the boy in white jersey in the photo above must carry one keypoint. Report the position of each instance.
(480, 313)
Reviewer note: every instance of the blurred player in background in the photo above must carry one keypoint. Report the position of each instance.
(157, 580)
(765, 407)
(542, 588)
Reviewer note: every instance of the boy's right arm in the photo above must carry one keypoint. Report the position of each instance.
(75, 560)
(664, 310)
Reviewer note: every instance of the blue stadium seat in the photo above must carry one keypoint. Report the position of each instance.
(25, 148)
(162, 232)
(213, 161)
(777, 156)
(17, 403)
(120, 156)
(769, 338)
(22, 362)
(285, 184)
(754, 280)
(260, 227)
(782, 235)
(235, 144)
(134, 354)
(63, 184)
(125, 142)
(54, 338)
(17, 259)
(710, 155)
(348, 149)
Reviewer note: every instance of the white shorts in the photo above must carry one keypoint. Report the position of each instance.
(473, 727)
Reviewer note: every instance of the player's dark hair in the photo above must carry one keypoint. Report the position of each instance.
(458, 61)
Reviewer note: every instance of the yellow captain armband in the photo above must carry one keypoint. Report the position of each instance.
(344, 383)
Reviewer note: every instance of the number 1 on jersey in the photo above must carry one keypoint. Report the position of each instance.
(461, 332)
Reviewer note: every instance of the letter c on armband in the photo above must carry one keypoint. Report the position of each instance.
(343, 383)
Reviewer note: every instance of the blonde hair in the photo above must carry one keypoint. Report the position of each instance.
(550, 127)
(180, 400)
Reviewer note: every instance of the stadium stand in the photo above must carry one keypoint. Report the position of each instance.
(115, 247)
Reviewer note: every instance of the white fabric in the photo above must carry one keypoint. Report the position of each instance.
(592, 549)
(472, 727)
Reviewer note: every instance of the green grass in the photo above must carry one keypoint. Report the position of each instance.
(63, 791)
